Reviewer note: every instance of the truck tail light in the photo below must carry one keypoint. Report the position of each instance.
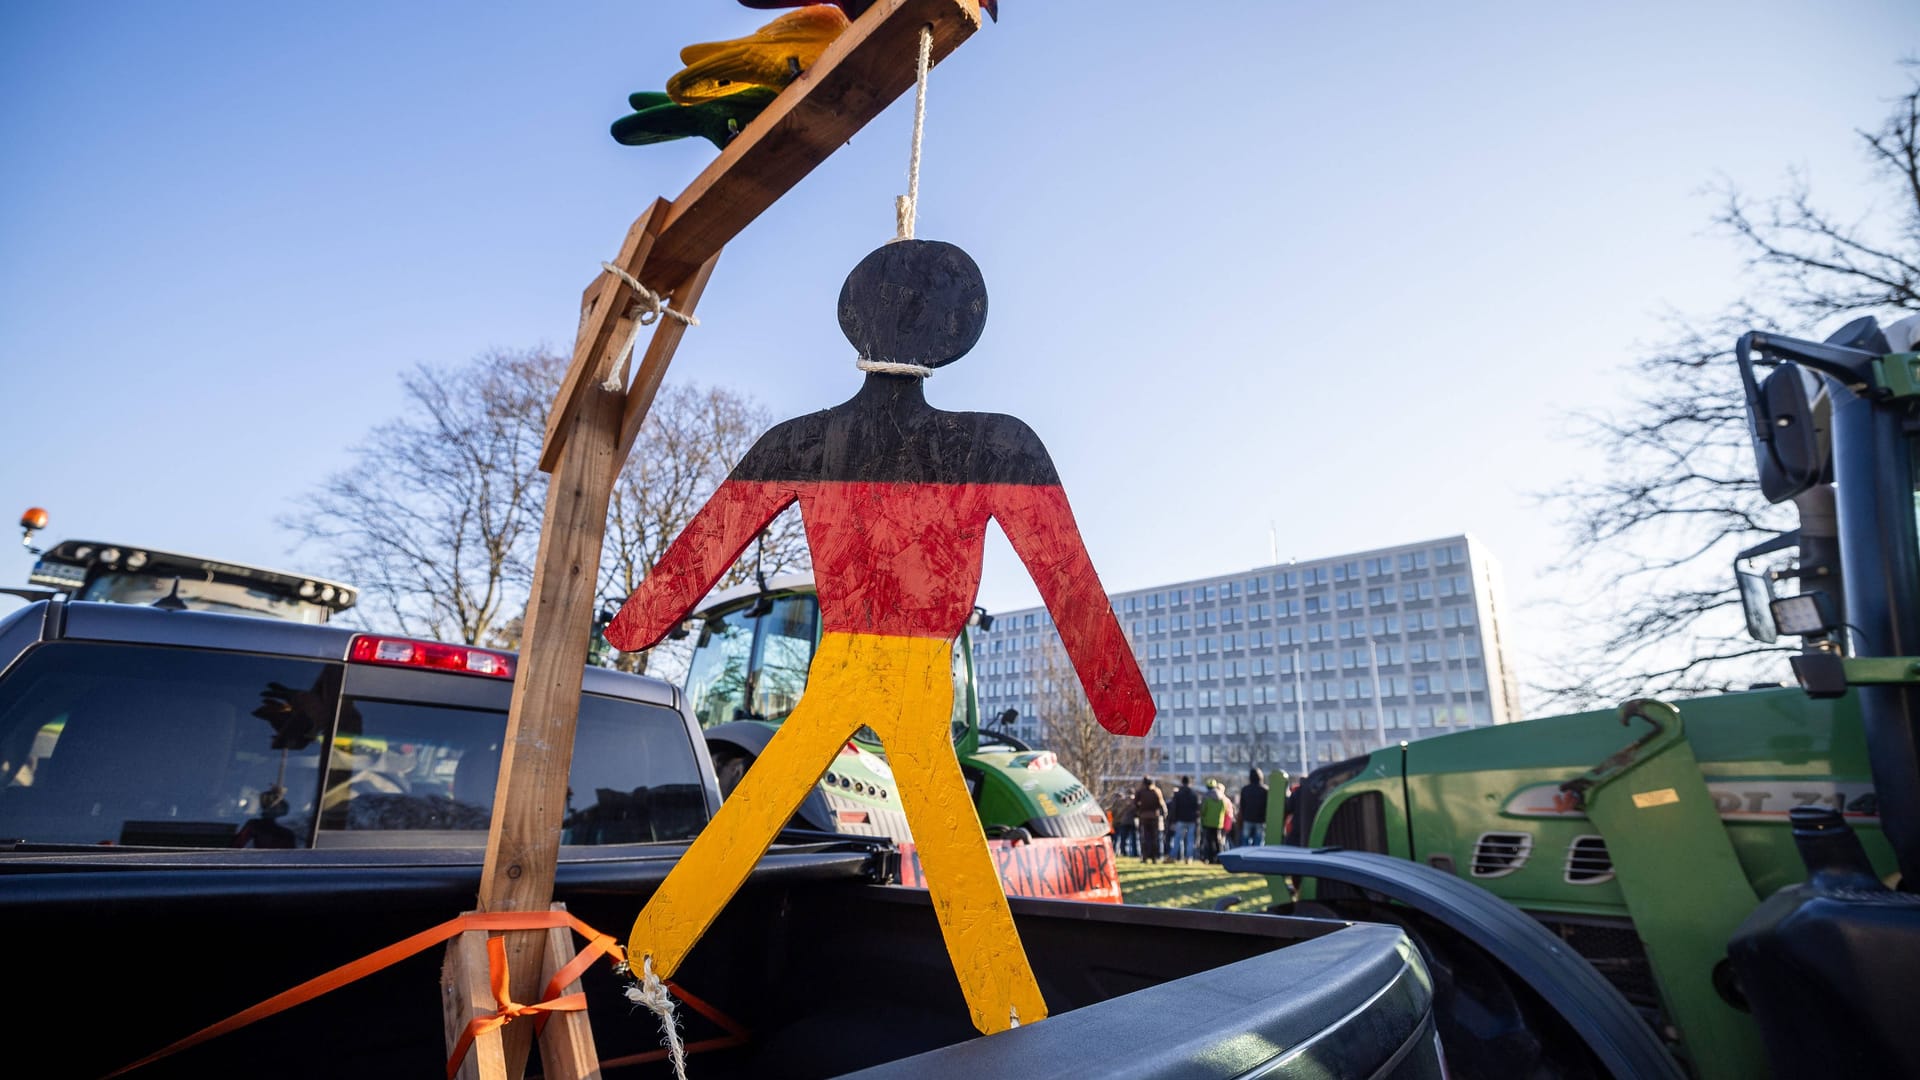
(405, 652)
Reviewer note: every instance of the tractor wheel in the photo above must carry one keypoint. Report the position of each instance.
(1492, 1026)
(730, 763)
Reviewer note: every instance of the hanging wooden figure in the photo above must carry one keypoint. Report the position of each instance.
(895, 495)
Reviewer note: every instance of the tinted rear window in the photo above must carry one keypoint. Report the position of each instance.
(143, 745)
(118, 744)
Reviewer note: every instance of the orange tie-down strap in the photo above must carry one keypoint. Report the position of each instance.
(598, 944)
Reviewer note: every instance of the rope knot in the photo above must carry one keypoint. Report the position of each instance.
(647, 308)
(653, 994)
(648, 305)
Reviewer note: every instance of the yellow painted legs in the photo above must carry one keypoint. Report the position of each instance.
(903, 689)
(961, 875)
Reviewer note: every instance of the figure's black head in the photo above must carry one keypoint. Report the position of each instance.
(914, 302)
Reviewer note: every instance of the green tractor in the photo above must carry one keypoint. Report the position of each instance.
(1739, 867)
(754, 644)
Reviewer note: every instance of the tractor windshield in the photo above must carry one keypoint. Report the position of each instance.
(226, 597)
(751, 663)
(751, 660)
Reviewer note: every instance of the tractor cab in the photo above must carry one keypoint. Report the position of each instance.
(751, 655)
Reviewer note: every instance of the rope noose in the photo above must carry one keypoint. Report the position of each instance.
(907, 207)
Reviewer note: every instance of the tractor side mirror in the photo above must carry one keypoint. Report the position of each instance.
(1756, 586)
(1756, 602)
(1791, 428)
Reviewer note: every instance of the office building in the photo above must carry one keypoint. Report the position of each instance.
(1307, 662)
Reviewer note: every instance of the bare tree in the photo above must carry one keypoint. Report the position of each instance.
(436, 517)
(1679, 496)
(692, 438)
(1067, 726)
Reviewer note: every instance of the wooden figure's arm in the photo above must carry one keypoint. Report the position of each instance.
(1040, 525)
(695, 560)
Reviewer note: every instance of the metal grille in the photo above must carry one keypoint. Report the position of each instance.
(1360, 824)
(1497, 854)
(1588, 862)
(1616, 952)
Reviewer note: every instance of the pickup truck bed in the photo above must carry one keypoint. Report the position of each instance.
(828, 971)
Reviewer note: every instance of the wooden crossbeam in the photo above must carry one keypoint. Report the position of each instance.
(859, 75)
(671, 249)
(865, 69)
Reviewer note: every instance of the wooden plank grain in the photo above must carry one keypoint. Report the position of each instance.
(861, 73)
(523, 840)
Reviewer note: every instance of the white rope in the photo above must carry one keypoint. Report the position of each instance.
(653, 994)
(907, 207)
(648, 306)
(889, 367)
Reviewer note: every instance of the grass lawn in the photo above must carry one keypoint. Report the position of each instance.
(1191, 885)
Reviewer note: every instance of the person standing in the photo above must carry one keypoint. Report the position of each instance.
(1149, 810)
(1213, 818)
(1253, 808)
(1183, 811)
(1126, 831)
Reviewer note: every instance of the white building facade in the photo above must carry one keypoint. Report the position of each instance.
(1292, 666)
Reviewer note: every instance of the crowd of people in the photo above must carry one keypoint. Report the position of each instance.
(1188, 825)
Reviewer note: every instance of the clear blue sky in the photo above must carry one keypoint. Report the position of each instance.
(1340, 270)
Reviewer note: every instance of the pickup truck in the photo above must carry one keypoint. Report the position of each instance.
(200, 811)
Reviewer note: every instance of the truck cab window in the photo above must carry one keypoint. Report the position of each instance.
(151, 746)
(402, 769)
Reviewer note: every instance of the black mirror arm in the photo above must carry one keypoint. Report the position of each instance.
(1852, 367)
(1785, 540)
